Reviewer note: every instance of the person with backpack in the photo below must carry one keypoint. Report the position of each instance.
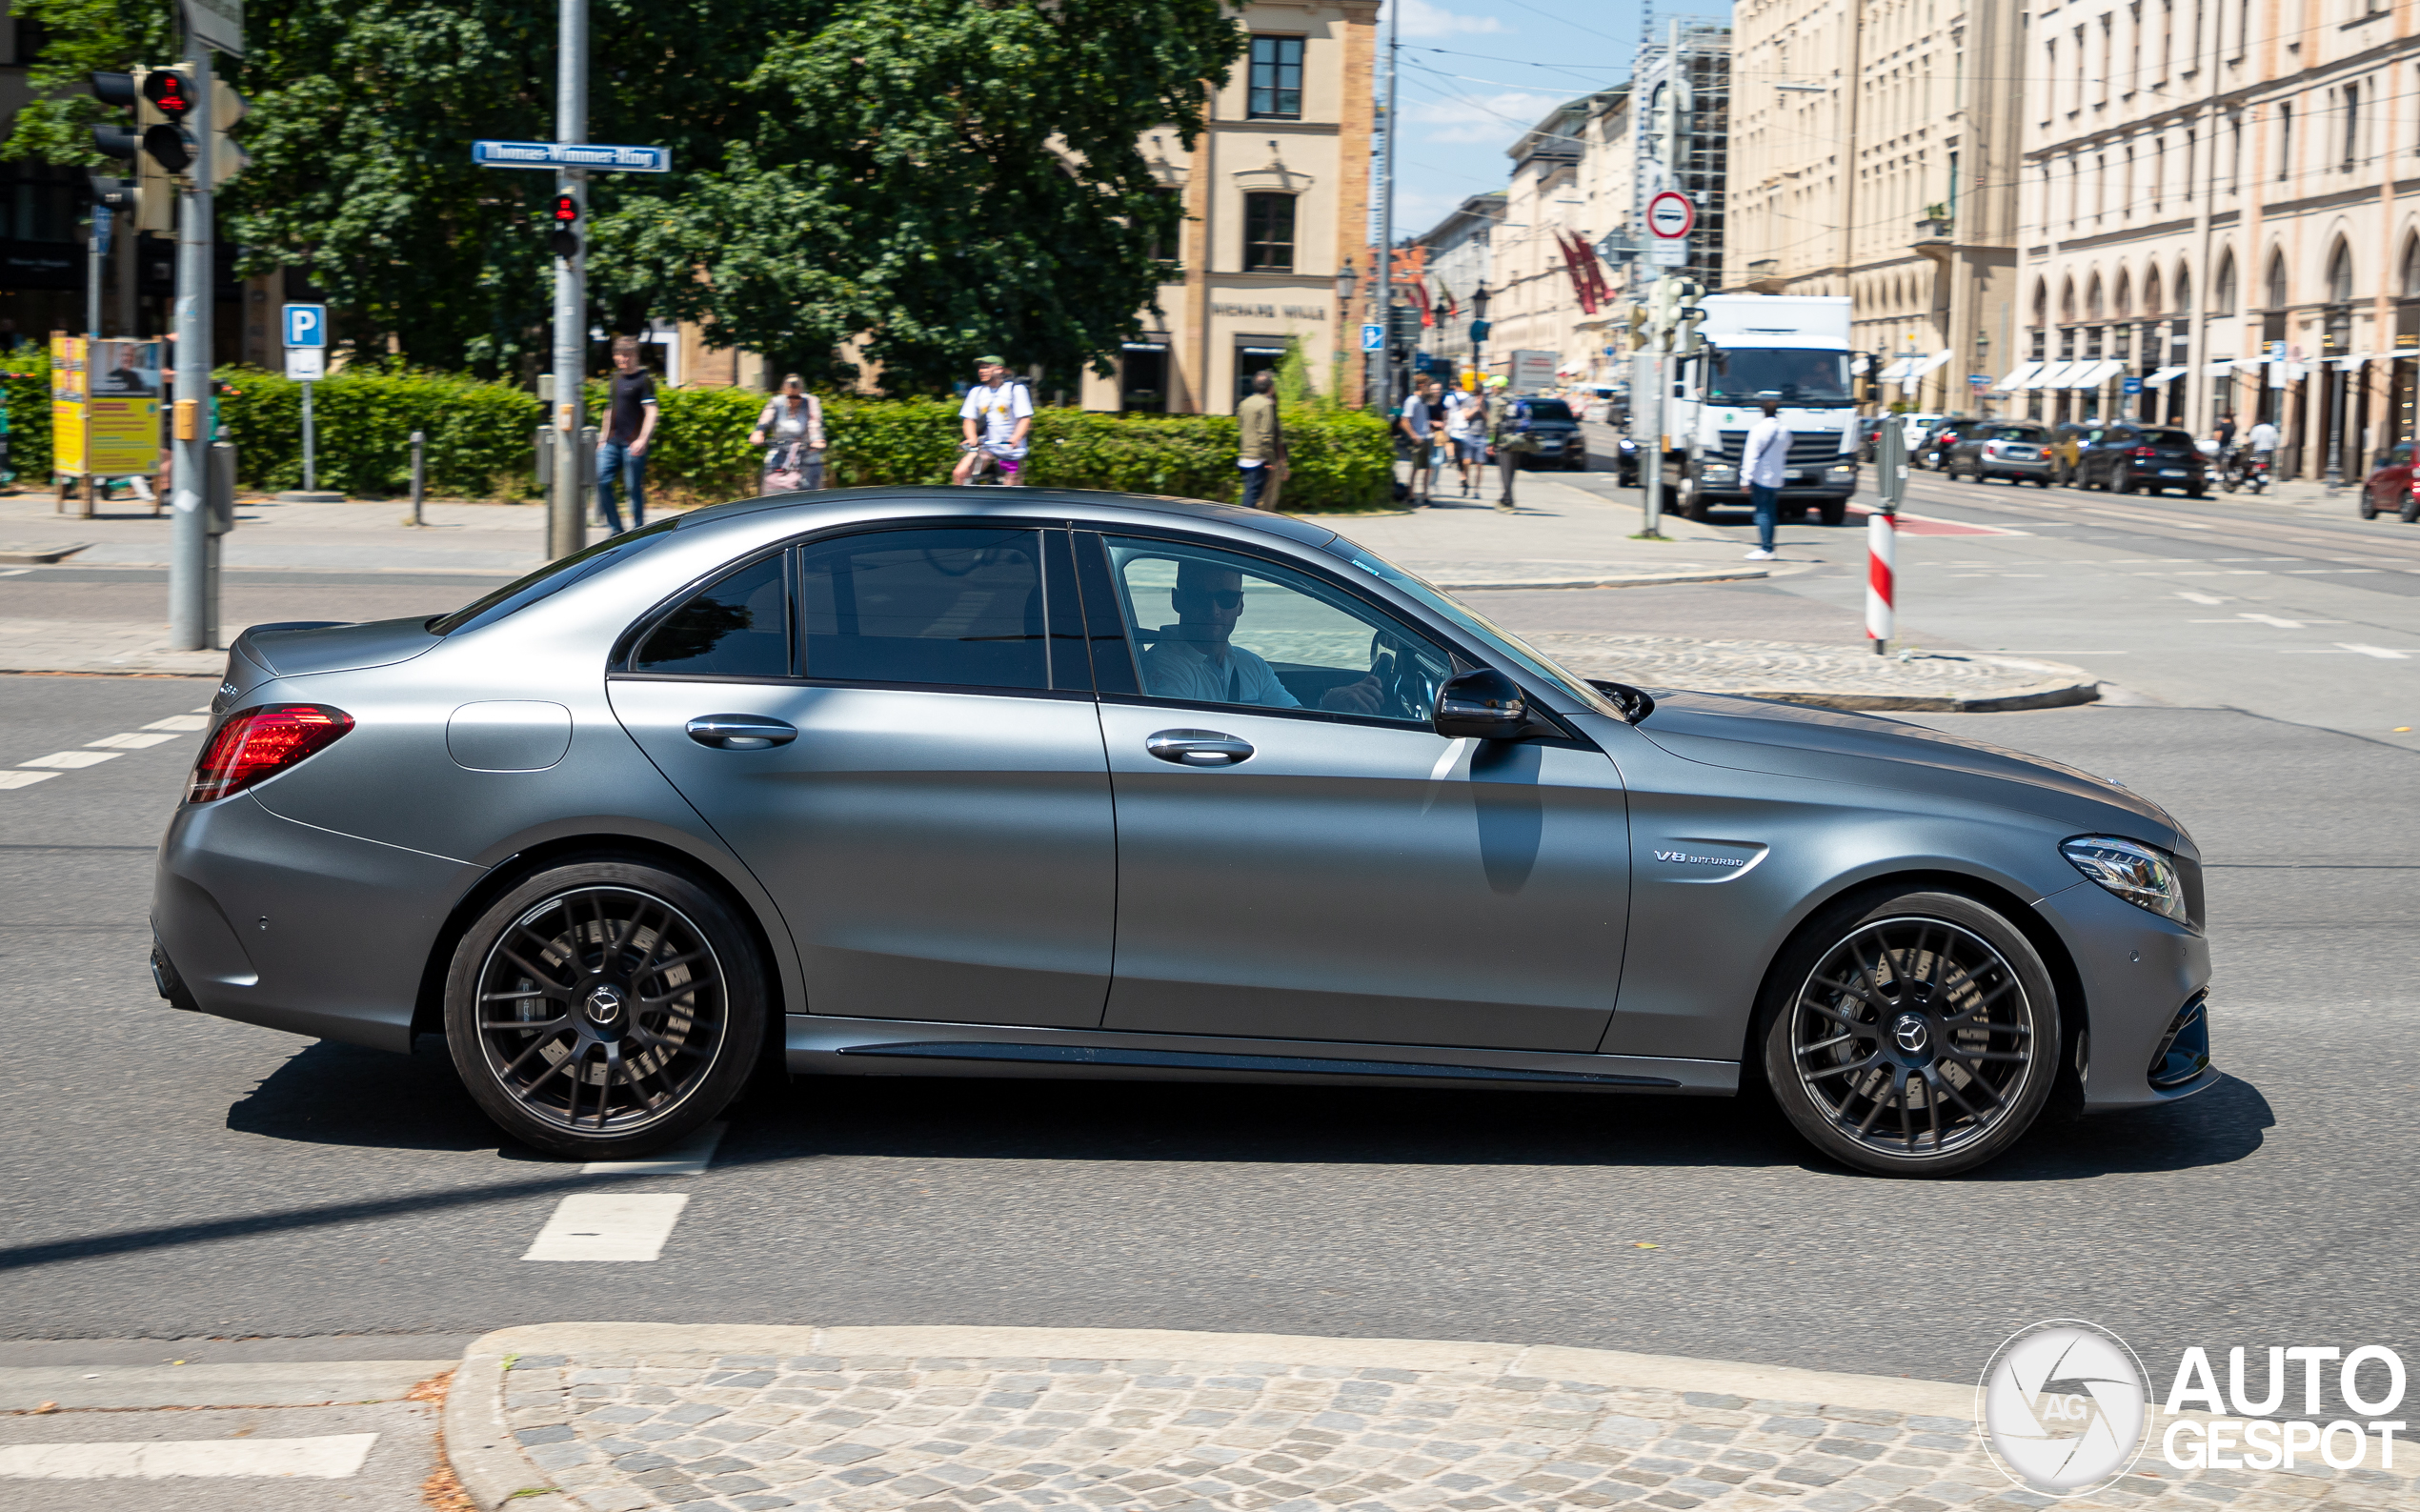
(1508, 437)
(996, 417)
(1415, 430)
(791, 429)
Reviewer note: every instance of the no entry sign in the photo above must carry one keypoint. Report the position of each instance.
(1670, 216)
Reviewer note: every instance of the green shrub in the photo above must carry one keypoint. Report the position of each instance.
(479, 441)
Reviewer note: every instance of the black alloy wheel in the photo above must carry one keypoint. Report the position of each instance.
(1913, 1036)
(605, 1008)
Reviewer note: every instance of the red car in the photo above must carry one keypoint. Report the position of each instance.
(2391, 488)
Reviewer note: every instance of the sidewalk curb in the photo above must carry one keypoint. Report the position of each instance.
(488, 1459)
(2060, 697)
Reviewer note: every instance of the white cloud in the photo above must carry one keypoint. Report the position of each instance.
(1422, 19)
(1482, 118)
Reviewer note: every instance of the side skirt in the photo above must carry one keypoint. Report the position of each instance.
(892, 1047)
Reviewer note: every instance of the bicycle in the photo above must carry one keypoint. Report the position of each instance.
(990, 458)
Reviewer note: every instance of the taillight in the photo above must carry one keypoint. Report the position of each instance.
(257, 743)
(2144, 451)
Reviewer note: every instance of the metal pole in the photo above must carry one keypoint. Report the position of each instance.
(567, 508)
(420, 471)
(192, 589)
(96, 248)
(2336, 426)
(1386, 301)
(310, 442)
(1651, 453)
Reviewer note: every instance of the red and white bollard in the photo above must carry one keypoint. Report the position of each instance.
(1882, 540)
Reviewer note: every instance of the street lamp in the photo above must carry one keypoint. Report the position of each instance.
(1346, 280)
(1478, 333)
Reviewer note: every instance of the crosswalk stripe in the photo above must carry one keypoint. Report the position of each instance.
(24, 780)
(329, 1457)
(71, 759)
(132, 742)
(609, 1226)
(181, 721)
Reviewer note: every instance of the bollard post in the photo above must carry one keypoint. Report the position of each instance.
(311, 443)
(419, 472)
(1882, 535)
(542, 441)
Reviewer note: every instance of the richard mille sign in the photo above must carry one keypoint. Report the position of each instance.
(1272, 312)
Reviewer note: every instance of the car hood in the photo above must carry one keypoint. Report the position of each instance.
(299, 648)
(1788, 739)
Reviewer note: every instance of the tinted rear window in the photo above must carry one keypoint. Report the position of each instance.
(2019, 433)
(1549, 410)
(945, 605)
(2169, 438)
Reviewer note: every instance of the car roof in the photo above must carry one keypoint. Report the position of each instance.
(1041, 502)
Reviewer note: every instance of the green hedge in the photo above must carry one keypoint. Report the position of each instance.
(479, 441)
(27, 382)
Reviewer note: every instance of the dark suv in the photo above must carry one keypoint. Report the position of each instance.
(2123, 459)
(1559, 441)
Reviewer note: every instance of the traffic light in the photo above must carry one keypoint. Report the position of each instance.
(226, 109)
(1638, 324)
(171, 95)
(151, 197)
(1692, 313)
(565, 237)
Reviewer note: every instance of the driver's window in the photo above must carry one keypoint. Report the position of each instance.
(1221, 627)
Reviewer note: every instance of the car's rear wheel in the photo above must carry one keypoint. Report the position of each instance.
(1910, 1035)
(605, 1008)
(2411, 508)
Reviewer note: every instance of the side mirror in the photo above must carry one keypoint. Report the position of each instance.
(1482, 705)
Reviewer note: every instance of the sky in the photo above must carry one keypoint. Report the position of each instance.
(1475, 74)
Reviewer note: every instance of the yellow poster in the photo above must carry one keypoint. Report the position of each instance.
(123, 433)
(67, 405)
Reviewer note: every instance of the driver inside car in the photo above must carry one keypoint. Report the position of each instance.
(1194, 658)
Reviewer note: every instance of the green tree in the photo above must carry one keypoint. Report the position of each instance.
(939, 176)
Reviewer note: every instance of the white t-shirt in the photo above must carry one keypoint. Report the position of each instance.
(1461, 415)
(998, 409)
(1175, 668)
(1769, 450)
(2262, 437)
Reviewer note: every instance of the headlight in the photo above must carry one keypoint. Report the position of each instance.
(2140, 874)
(1843, 470)
(1718, 470)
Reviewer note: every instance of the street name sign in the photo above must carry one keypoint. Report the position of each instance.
(307, 326)
(600, 156)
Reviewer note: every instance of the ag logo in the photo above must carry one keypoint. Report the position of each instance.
(2061, 1407)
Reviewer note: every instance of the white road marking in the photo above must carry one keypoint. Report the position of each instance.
(24, 780)
(129, 742)
(16, 571)
(329, 1457)
(689, 1158)
(609, 1226)
(2191, 596)
(2379, 652)
(181, 721)
(71, 759)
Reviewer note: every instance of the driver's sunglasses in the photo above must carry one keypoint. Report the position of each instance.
(1225, 597)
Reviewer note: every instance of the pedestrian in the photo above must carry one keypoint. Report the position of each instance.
(2262, 439)
(1763, 463)
(1415, 428)
(1508, 437)
(621, 447)
(1462, 416)
(1262, 447)
(2224, 431)
(994, 421)
(791, 429)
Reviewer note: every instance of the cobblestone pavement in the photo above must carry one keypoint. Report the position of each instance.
(1209, 1430)
(1835, 677)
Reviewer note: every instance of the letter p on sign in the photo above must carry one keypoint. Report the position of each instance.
(307, 326)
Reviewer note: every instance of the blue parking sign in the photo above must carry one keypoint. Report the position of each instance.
(307, 325)
(1373, 338)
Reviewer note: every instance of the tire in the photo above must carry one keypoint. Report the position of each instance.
(1693, 505)
(2411, 508)
(2197, 491)
(663, 1017)
(2122, 482)
(1835, 511)
(1909, 1034)
(2369, 505)
(2043, 481)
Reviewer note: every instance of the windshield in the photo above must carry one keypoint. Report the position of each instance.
(1799, 377)
(1549, 410)
(2167, 437)
(552, 579)
(1501, 641)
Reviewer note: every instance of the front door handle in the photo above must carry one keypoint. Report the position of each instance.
(740, 732)
(1198, 748)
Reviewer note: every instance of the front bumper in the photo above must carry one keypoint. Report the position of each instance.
(2139, 973)
(267, 921)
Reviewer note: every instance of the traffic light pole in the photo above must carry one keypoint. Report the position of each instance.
(566, 499)
(193, 577)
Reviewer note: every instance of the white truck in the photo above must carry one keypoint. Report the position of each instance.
(1792, 347)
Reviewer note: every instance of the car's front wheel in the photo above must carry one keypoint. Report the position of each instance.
(1910, 1035)
(605, 1008)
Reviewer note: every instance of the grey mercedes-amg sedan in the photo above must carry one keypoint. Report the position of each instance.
(1035, 783)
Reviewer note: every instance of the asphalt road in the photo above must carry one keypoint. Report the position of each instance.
(174, 1178)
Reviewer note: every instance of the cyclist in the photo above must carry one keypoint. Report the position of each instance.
(996, 419)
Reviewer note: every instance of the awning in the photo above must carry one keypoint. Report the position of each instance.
(2163, 379)
(1896, 372)
(1918, 367)
(2356, 358)
(2093, 374)
(2223, 368)
(2017, 379)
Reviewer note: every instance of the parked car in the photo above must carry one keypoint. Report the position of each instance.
(1870, 430)
(2016, 450)
(1933, 449)
(2124, 458)
(2389, 488)
(1049, 783)
(1559, 441)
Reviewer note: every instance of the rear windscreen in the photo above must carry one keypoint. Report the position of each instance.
(2167, 437)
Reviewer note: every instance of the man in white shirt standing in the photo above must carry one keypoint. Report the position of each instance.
(1766, 457)
(2262, 439)
(996, 417)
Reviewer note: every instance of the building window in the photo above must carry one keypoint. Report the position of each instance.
(2352, 125)
(2284, 140)
(1268, 234)
(1168, 246)
(1276, 79)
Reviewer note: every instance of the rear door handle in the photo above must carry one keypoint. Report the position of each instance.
(740, 732)
(1198, 748)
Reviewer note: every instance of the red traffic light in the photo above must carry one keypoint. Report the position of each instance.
(171, 94)
(567, 209)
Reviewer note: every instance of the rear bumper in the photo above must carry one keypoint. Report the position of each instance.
(2016, 465)
(267, 921)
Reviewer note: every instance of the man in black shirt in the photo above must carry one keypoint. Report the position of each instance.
(622, 446)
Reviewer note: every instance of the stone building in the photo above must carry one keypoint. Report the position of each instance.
(2218, 200)
(1459, 255)
(1277, 202)
(1874, 150)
